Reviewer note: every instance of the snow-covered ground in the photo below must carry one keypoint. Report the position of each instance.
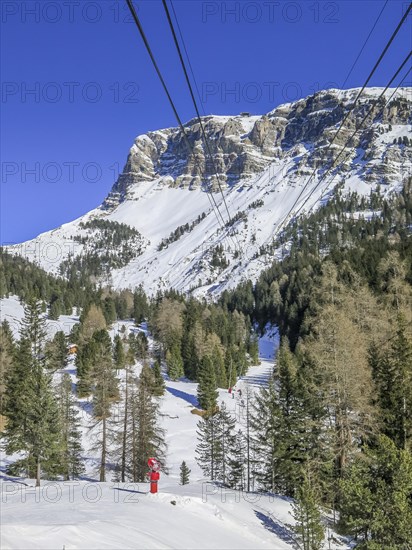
(88, 515)
(12, 311)
(85, 515)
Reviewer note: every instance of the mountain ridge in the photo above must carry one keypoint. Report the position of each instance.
(263, 163)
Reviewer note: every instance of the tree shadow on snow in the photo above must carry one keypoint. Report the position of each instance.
(130, 491)
(20, 481)
(192, 399)
(276, 528)
(258, 380)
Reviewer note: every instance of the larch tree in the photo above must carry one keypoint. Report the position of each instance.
(340, 350)
(105, 392)
(159, 383)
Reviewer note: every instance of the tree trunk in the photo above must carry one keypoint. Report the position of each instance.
(126, 400)
(38, 471)
(103, 458)
(248, 438)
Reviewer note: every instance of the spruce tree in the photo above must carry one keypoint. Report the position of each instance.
(145, 436)
(237, 462)
(30, 405)
(140, 305)
(376, 507)
(189, 353)
(56, 352)
(119, 356)
(220, 369)
(71, 447)
(174, 362)
(227, 439)
(216, 441)
(308, 528)
(56, 309)
(267, 423)
(184, 473)
(393, 375)
(206, 390)
(208, 449)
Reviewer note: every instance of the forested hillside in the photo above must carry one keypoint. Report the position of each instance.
(332, 428)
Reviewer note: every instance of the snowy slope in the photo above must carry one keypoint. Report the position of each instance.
(272, 187)
(12, 311)
(88, 515)
(126, 517)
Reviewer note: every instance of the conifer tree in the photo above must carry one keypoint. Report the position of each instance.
(184, 473)
(105, 391)
(56, 351)
(140, 305)
(126, 415)
(206, 391)
(208, 449)
(308, 528)
(294, 420)
(159, 383)
(237, 462)
(376, 507)
(174, 362)
(216, 441)
(30, 405)
(119, 356)
(227, 439)
(230, 368)
(7, 351)
(56, 309)
(220, 369)
(109, 310)
(71, 446)
(392, 372)
(267, 438)
(189, 355)
(145, 436)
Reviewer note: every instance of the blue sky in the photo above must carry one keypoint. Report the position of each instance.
(78, 87)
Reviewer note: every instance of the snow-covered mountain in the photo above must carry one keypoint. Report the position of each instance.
(159, 226)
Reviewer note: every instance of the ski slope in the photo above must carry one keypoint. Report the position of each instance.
(83, 515)
(86, 515)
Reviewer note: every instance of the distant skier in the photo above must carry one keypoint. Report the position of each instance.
(239, 392)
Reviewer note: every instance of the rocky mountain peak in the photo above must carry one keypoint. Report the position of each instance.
(244, 145)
